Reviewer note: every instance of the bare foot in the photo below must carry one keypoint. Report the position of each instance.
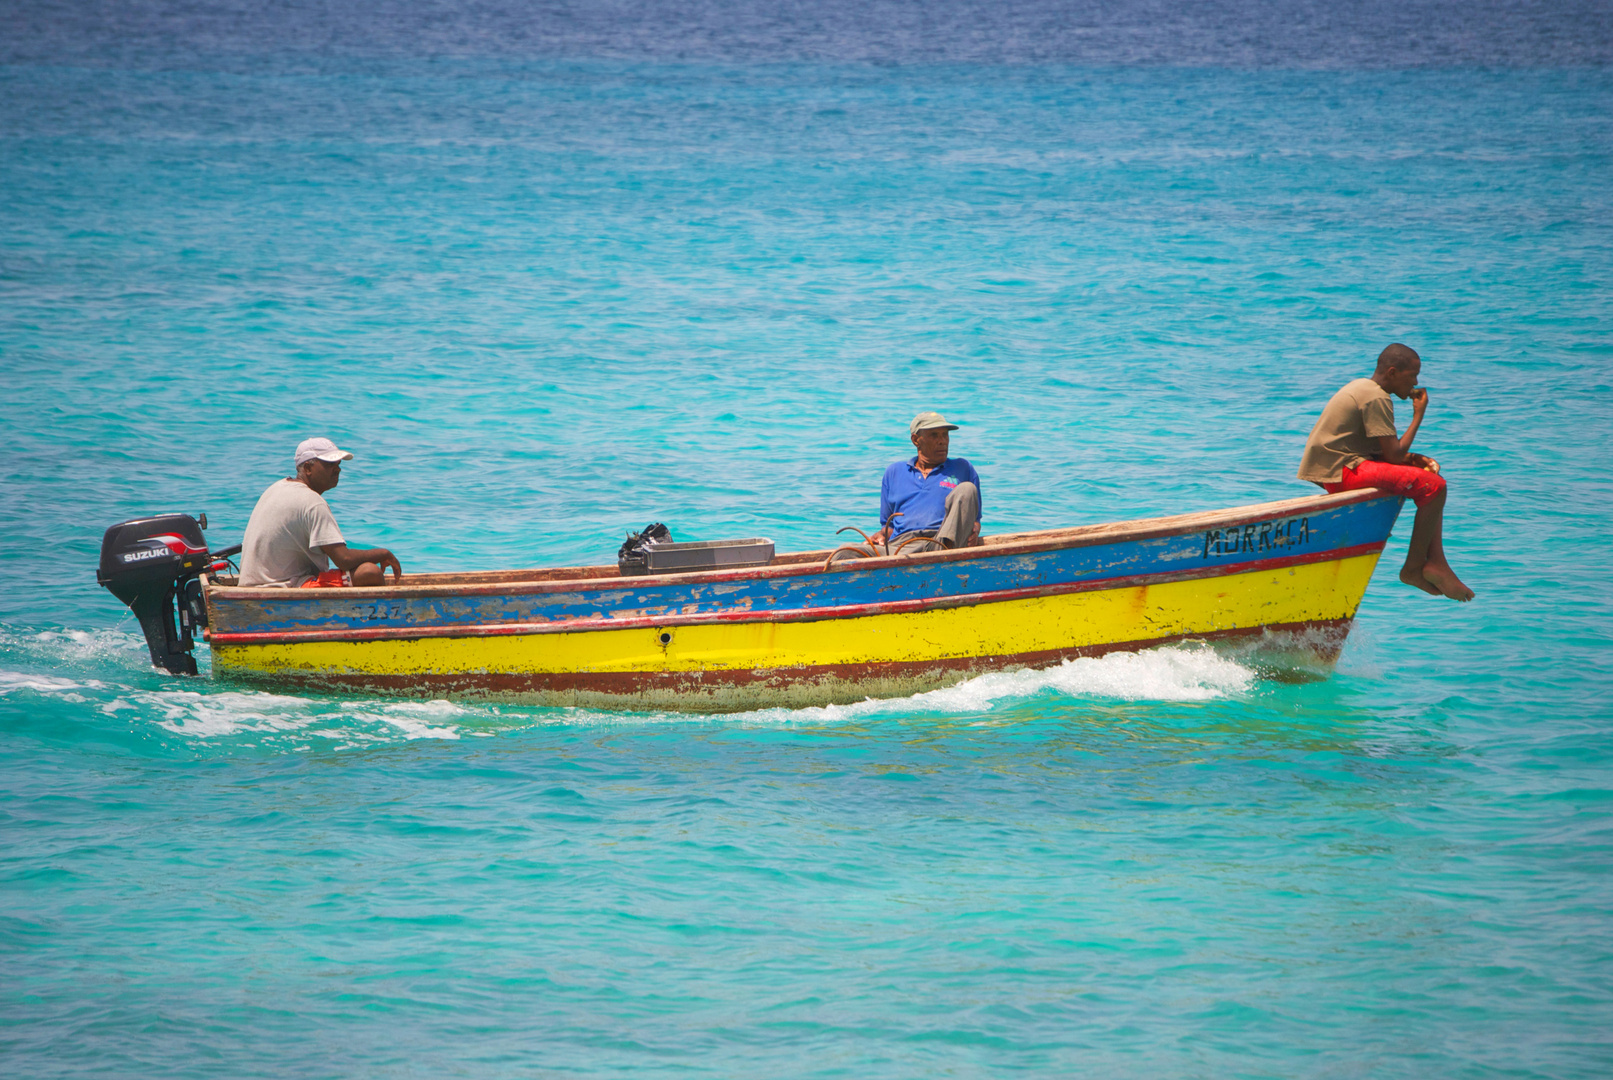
(1415, 578)
(1444, 578)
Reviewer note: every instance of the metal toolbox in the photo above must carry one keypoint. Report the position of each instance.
(709, 555)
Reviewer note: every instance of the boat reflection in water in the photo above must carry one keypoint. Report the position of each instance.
(804, 630)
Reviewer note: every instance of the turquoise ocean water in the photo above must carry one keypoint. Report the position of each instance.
(702, 271)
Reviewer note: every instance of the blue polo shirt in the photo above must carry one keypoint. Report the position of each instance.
(922, 499)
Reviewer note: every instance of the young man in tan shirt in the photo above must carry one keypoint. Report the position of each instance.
(1354, 446)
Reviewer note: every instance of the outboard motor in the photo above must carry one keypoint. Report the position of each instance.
(153, 565)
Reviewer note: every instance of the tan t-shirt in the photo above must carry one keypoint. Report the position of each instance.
(1348, 432)
(284, 534)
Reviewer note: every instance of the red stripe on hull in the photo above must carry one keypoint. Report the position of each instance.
(827, 684)
(849, 611)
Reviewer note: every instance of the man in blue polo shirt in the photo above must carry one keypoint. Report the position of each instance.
(932, 495)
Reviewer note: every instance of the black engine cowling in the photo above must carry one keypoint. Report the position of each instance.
(152, 564)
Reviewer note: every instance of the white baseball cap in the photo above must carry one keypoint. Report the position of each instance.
(323, 449)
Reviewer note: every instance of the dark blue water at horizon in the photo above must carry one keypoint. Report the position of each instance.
(556, 270)
(1352, 35)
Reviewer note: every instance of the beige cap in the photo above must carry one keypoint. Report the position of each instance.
(928, 421)
(323, 449)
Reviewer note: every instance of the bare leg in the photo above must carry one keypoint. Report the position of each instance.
(1426, 567)
(369, 574)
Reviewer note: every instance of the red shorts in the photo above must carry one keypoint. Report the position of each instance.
(1407, 481)
(330, 579)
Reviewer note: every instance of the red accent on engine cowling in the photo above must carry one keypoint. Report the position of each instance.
(177, 544)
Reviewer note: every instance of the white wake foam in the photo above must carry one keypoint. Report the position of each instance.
(92, 642)
(1188, 672)
(202, 711)
(81, 648)
(218, 714)
(67, 689)
(1174, 673)
(1171, 673)
(419, 719)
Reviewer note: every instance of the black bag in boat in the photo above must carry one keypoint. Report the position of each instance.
(633, 556)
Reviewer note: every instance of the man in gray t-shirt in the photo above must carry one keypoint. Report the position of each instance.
(292, 538)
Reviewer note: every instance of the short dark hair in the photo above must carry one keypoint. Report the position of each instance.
(1397, 357)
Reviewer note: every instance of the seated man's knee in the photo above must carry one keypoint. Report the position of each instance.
(965, 490)
(366, 574)
(1428, 488)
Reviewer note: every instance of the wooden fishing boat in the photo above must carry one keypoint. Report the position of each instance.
(805, 630)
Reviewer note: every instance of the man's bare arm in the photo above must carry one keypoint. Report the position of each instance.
(1396, 451)
(883, 536)
(348, 559)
